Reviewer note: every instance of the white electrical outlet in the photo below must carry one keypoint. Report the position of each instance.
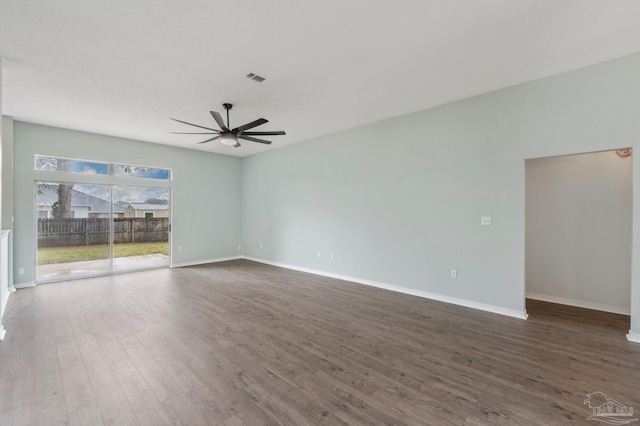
(21, 271)
(239, 248)
(485, 220)
(454, 273)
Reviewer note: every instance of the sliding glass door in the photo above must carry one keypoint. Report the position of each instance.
(73, 230)
(84, 230)
(140, 227)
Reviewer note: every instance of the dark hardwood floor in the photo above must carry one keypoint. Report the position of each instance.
(241, 343)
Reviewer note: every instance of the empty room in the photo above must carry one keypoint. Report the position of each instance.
(319, 213)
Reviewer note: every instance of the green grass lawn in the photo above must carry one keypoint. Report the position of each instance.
(51, 255)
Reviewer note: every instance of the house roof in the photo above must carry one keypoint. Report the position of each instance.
(147, 206)
(47, 195)
(329, 65)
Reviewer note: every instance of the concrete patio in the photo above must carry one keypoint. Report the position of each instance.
(96, 267)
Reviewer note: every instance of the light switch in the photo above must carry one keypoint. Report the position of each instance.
(485, 220)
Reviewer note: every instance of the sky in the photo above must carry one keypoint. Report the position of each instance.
(121, 193)
(96, 168)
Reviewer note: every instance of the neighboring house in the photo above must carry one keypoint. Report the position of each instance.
(146, 210)
(83, 205)
(118, 212)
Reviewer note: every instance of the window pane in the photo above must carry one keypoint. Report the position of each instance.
(140, 227)
(72, 240)
(73, 166)
(141, 172)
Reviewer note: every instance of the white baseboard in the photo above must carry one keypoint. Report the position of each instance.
(24, 285)
(427, 295)
(3, 305)
(202, 262)
(633, 337)
(579, 304)
(3, 309)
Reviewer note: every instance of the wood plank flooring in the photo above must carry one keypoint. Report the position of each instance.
(241, 343)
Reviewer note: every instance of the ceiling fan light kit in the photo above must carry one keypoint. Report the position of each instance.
(228, 139)
(230, 136)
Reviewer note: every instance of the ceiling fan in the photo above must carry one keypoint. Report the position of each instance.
(230, 136)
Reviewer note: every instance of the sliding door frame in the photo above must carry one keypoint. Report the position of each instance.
(112, 183)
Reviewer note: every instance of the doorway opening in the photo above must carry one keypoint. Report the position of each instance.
(578, 218)
(90, 229)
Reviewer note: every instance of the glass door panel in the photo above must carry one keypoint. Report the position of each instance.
(73, 230)
(140, 227)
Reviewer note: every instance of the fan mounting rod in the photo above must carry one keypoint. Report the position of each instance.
(227, 107)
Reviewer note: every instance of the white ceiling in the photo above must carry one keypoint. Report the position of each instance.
(123, 67)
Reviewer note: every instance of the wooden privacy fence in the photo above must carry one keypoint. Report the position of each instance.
(90, 231)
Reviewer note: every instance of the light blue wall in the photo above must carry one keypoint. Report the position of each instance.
(400, 201)
(397, 202)
(206, 189)
(7, 190)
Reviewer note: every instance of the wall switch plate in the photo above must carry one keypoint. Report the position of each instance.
(179, 249)
(454, 273)
(239, 248)
(485, 220)
(260, 245)
(318, 253)
(21, 271)
(331, 256)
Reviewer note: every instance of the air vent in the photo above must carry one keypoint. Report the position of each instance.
(256, 77)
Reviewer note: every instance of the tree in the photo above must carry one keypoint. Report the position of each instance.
(60, 209)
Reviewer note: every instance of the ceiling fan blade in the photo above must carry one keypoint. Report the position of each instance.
(274, 133)
(196, 133)
(251, 125)
(216, 116)
(249, 138)
(196, 125)
(209, 140)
